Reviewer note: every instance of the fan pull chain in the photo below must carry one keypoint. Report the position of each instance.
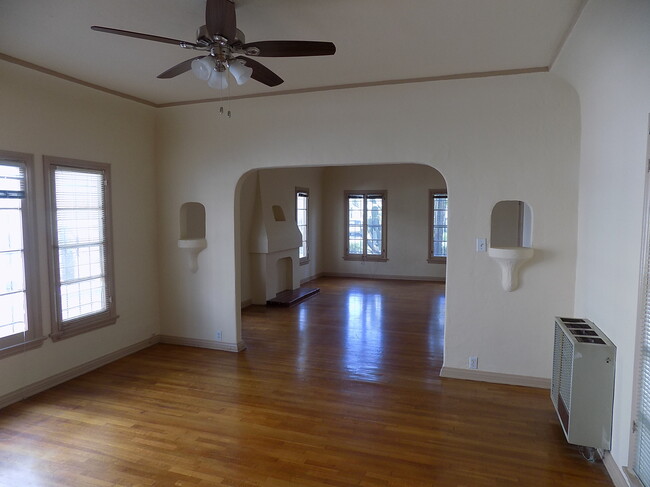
(227, 102)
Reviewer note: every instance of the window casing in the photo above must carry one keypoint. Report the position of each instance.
(80, 249)
(302, 220)
(365, 225)
(20, 310)
(438, 204)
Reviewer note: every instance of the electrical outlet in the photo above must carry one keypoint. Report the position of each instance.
(481, 244)
(473, 363)
(219, 337)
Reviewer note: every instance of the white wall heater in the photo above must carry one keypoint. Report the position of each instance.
(582, 387)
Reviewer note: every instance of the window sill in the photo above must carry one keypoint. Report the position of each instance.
(437, 260)
(361, 258)
(22, 347)
(631, 477)
(68, 331)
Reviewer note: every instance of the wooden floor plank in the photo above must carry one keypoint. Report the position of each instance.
(340, 390)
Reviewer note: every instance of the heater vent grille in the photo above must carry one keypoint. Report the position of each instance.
(566, 376)
(582, 386)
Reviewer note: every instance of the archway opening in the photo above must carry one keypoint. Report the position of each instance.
(412, 228)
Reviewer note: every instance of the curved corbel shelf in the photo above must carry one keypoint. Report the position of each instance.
(509, 259)
(193, 247)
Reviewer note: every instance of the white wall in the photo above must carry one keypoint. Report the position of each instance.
(492, 139)
(42, 115)
(607, 60)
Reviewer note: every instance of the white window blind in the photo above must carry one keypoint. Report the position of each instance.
(12, 181)
(642, 420)
(80, 242)
(13, 292)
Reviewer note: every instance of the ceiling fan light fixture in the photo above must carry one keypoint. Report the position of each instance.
(222, 42)
(240, 71)
(218, 79)
(203, 67)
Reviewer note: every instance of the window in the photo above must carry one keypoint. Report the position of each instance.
(438, 226)
(80, 247)
(302, 220)
(641, 415)
(365, 223)
(20, 320)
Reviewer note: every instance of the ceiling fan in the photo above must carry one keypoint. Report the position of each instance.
(227, 51)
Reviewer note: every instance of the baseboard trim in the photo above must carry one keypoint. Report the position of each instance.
(373, 276)
(620, 477)
(483, 376)
(383, 276)
(60, 378)
(311, 278)
(200, 343)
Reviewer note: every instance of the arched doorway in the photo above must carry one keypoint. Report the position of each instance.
(409, 220)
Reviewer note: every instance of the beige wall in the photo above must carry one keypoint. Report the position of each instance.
(607, 60)
(42, 115)
(492, 139)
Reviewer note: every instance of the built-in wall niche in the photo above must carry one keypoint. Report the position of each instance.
(192, 221)
(192, 232)
(511, 224)
(278, 213)
(511, 238)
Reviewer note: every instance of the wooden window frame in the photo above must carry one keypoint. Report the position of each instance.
(33, 336)
(383, 257)
(435, 259)
(303, 260)
(65, 329)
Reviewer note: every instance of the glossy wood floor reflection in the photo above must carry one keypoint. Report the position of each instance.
(341, 390)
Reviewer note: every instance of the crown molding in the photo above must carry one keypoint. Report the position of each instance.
(427, 79)
(56, 74)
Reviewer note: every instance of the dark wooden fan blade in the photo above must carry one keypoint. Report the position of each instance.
(140, 35)
(290, 48)
(220, 18)
(261, 73)
(180, 68)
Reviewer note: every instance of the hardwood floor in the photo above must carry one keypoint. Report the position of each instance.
(341, 390)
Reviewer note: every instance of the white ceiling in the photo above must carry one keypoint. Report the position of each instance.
(376, 40)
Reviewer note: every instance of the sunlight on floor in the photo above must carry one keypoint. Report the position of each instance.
(364, 339)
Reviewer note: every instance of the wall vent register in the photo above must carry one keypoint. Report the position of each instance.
(582, 386)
